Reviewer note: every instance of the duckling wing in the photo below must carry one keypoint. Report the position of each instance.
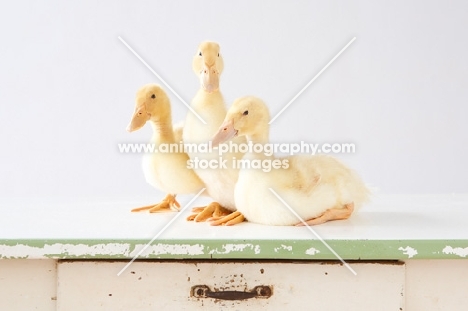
(302, 174)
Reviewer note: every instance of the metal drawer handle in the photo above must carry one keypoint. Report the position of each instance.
(203, 291)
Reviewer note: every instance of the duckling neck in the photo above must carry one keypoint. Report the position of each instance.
(203, 98)
(261, 139)
(162, 131)
(258, 139)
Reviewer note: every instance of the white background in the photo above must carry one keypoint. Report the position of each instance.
(67, 85)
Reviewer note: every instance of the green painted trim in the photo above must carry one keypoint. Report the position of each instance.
(235, 249)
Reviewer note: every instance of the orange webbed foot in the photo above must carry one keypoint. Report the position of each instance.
(228, 220)
(168, 204)
(213, 209)
(331, 214)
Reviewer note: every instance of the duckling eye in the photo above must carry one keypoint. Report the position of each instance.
(245, 113)
(199, 53)
(218, 54)
(153, 96)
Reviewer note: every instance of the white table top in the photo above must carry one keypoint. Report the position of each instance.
(428, 226)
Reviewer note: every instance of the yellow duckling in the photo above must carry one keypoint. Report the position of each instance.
(318, 188)
(219, 181)
(167, 172)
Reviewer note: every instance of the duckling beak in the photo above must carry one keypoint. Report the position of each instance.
(138, 120)
(209, 77)
(225, 133)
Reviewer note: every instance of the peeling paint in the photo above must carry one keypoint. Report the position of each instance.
(312, 251)
(257, 249)
(64, 250)
(249, 249)
(462, 252)
(411, 252)
(283, 247)
(163, 249)
(228, 248)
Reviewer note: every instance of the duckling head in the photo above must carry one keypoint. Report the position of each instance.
(248, 116)
(208, 64)
(152, 103)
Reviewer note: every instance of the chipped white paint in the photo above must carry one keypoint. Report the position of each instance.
(411, 252)
(462, 252)
(312, 251)
(283, 247)
(63, 250)
(83, 250)
(257, 249)
(165, 249)
(228, 248)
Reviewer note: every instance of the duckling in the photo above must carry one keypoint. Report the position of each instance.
(164, 171)
(319, 188)
(209, 104)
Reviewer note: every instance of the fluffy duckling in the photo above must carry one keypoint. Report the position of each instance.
(208, 65)
(319, 188)
(165, 171)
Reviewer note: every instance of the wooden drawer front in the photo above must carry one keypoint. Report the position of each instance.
(27, 284)
(169, 285)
